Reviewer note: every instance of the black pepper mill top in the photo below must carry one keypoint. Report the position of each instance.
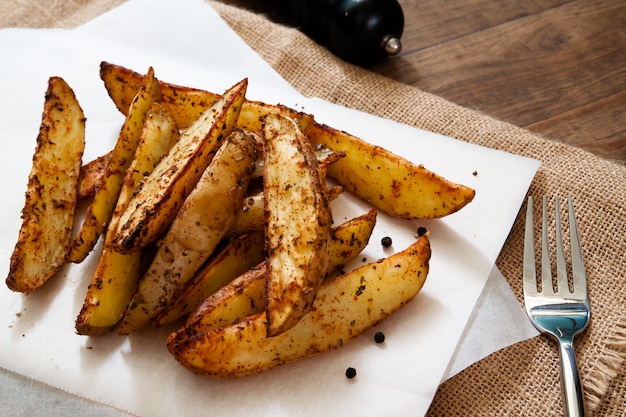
(363, 32)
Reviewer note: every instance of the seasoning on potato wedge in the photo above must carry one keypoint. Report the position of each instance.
(387, 181)
(48, 214)
(116, 275)
(344, 308)
(348, 240)
(201, 223)
(242, 292)
(239, 255)
(251, 217)
(101, 208)
(154, 206)
(187, 104)
(297, 223)
(91, 176)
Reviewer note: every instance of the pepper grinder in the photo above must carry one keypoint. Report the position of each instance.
(363, 32)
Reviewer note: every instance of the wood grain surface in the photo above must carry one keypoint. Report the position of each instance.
(555, 67)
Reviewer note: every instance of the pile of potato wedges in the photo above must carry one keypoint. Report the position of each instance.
(214, 211)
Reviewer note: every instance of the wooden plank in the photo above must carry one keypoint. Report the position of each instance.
(546, 63)
(598, 127)
(431, 22)
(530, 69)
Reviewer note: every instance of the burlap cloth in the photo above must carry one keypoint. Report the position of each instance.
(522, 379)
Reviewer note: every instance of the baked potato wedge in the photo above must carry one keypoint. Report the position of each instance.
(187, 104)
(245, 295)
(202, 222)
(389, 182)
(91, 176)
(111, 288)
(52, 191)
(116, 275)
(297, 223)
(153, 208)
(159, 134)
(101, 208)
(251, 216)
(236, 262)
(348, 240)
(239, 255)
(344, 308)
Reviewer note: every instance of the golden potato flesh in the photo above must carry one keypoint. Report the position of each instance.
(297, 223)
(186, 104)
(101, 208)
(344, 308)
(52, 192)
(115, 278)
(153, 208)
(202, 222)
(389, 182)
(222, 292)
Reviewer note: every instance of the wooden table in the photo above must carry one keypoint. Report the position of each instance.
(555, 67)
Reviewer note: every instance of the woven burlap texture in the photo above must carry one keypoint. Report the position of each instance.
(65, 14)
(523, 379)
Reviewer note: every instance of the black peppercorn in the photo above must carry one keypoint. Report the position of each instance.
(350, 373)
(386, 241)
(379, 337)
(421, 231)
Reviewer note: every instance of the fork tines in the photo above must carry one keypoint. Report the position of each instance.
(560, 314)
(579, 280)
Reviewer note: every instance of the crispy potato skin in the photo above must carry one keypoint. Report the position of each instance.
(154, 206)
(245, 295)
(184, 104)
(241, 254)
(48, 214)
(344, 308)
(241, 283)
(91, 176)
(202, 222)
(297, 223)
(101, 208)
(116, 275)
(389, 182)
(348, 240)
(251, 217)
(187, 104)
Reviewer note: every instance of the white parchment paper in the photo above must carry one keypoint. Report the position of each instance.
(136, 373)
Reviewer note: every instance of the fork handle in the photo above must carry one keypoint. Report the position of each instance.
(573, 399)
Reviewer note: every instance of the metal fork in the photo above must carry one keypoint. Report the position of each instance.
(564, 313)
